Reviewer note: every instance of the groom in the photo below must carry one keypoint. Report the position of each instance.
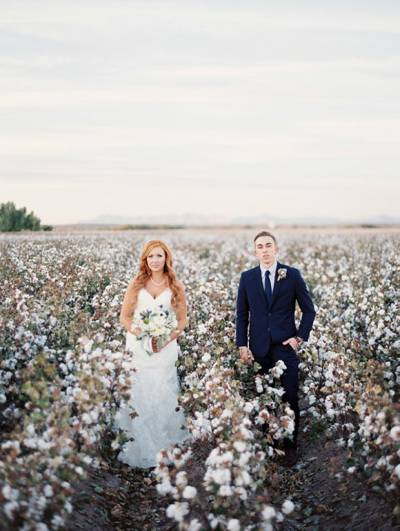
(265, 326)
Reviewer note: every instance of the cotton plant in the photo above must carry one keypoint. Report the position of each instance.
(46, 387)
(357, 332)
(375, 445)
(61, 433)
(218, 413)
(236, 467)
(60, 337)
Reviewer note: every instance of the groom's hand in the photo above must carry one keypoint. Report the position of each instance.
(245, 354)
(292, 341)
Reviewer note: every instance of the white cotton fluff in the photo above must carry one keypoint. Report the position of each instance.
(181, 479)
(240, 446)
(395, 433)
(225, 490)
(195, 525)
(233, 525)
(268, 513)
(165, 488)
(178, 511)
(189, 492)
(287, 507)
(48, 491)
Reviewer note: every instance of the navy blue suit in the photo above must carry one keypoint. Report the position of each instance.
(263, 327)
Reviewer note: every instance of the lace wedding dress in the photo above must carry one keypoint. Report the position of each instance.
(154, 392)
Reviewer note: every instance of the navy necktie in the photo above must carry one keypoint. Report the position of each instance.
(267, 287)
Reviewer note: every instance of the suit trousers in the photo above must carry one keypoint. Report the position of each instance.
(289, 379)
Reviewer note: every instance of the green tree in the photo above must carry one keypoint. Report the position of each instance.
(14, 219)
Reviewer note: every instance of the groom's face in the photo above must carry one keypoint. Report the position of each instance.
(265, 250)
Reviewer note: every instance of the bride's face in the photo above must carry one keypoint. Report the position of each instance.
(156, 259)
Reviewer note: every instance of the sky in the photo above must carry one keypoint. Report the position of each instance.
(215, 108)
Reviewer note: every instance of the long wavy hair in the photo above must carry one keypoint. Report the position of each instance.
(144, 272)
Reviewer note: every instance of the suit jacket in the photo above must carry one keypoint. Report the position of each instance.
(259, 324)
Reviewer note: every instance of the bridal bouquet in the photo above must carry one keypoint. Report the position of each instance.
(157, 323)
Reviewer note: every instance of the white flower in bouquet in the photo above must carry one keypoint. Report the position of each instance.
(158, 323)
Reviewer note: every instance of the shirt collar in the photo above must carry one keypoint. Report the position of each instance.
(271, 269)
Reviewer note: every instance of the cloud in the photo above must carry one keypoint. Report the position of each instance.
(201, 98)
(366, 16)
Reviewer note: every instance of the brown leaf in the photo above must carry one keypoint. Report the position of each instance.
(117, 511)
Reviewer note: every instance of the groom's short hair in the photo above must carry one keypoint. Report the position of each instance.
(265, 233)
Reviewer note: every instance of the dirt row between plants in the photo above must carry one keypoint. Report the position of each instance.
(119, 498)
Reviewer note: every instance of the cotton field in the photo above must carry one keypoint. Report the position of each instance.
(64, 372)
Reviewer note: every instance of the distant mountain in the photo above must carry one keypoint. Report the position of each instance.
(384, 220)
(202, 219)
(273, 221)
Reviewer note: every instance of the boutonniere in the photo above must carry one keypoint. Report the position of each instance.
(281, 273)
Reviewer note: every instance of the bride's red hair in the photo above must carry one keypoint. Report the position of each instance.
(145, 272)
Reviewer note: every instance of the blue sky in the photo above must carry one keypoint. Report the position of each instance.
(217, 108)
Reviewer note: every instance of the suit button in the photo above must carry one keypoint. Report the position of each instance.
(269, 329)
(270, 314)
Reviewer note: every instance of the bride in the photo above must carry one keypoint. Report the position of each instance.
(155, 383)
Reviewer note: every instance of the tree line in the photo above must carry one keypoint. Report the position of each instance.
(13, 219)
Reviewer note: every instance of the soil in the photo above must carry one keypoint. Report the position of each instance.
(326, 502)
(118, 498)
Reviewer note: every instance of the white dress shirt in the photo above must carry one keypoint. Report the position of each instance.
(272, 271)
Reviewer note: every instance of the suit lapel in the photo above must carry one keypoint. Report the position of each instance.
(277, 285)
(260, 287)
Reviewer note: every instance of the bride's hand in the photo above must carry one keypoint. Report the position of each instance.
(174, 334)
(158, 345)
(135, 331)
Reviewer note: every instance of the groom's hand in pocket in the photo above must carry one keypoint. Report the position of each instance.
(292, 341)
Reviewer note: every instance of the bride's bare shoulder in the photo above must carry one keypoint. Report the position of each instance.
(132, 287)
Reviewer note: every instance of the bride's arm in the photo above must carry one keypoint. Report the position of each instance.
(127, 308)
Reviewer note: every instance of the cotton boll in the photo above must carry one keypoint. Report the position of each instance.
(181, 479)
(287, 507)
(189, 492)
(178, 511)
(48, 491)
(165, 488)
(268, 513)
(195, 525)
(225, 490)
(395, 433)
(233, 525)
(240, 446)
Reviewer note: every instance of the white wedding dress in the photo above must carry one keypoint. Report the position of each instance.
(154, 392)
